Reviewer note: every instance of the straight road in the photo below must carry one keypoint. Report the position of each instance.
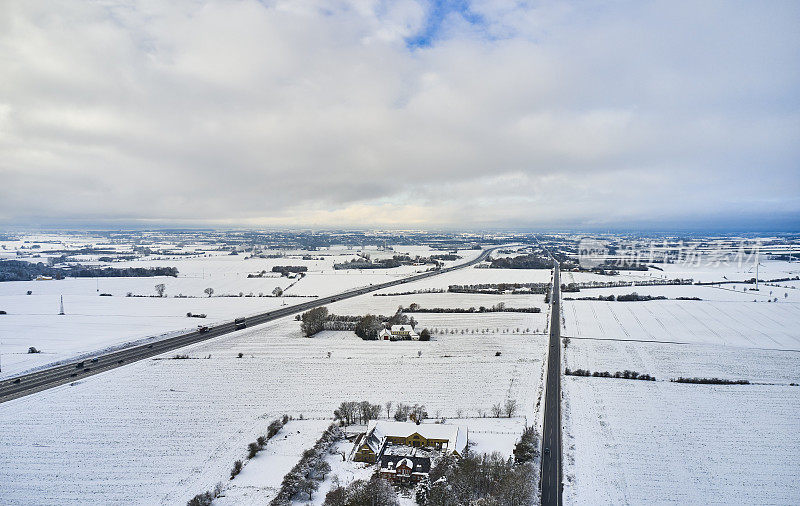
(551, 427)
(19, 386)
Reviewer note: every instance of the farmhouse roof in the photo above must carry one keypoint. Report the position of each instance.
(455, 435)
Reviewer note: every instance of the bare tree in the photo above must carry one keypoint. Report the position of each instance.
(510, 407)
(209, 291)
(277, 292)
(388, 409)
(497, 410)
(160, 289)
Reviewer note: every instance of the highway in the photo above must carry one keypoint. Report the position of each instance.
(551, 426)
(19, 386)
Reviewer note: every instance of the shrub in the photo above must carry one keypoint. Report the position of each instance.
(204, 499)
(252, 450)
(237, 468)
(304, 475)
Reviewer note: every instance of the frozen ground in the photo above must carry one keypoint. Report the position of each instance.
(642, 442)
(636, 442)
(704, 270)
(260, 479)
(748, 324)
(721, 293)
(93, 323)
(160, 431)
(665, 361)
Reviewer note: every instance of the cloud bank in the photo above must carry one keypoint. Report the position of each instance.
(402, 113)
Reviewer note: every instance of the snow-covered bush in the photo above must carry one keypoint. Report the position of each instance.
(305, 475)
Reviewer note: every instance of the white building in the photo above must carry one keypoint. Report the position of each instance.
(404, 332)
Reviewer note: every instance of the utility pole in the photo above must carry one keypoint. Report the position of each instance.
(757, 262)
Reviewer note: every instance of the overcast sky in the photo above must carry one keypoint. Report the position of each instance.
(400, 113)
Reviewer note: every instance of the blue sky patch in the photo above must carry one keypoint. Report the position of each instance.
(438, 11)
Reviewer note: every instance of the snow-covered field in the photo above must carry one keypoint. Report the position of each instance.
(260, 479)
(644, 442)
(749, 324)
(93, 323)
(665, 361)
(160, 431)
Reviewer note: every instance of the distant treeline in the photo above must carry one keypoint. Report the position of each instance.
(15, 270)
(447, 257)
(522, 262)
(501, 288)
(626, 374)
(577, 287)
(750, 281)
(497, 308)
(710, 381)
(363, 263)
(286, 269)
(631, 297)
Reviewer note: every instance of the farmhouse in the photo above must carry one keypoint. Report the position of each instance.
(403, 465)
(398, 333)
(381, 435)
(404, 332)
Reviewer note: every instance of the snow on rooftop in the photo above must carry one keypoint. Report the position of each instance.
(454, 434)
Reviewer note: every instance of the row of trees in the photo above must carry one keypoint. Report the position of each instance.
(305, 476)
(16, 270)
(351, 412)
(207, 498)
(501, 288)
(626, 374)
(500, 307)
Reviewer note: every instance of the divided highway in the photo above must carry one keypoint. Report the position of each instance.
(58, 375)
(551, 427)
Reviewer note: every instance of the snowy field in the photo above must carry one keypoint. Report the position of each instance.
(705, 270)
(748, 324)
(721, 293)
(260, 479)
(643, 442)
(665, 361)
(160, 431)
(93, 323)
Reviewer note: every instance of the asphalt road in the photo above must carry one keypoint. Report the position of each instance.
(19, 386)
(551, 427)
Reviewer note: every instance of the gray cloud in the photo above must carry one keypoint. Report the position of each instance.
(318, 113)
